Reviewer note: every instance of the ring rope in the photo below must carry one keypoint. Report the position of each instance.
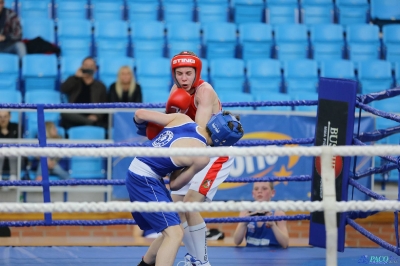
(365, 190)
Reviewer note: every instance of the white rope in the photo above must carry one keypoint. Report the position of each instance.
(382, 150)
(101, 207)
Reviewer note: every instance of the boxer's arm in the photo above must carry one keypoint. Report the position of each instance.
(143, 115)
(205, 100)
(180, 178)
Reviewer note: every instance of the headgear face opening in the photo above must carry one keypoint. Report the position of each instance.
(221, 134)
(186, 59)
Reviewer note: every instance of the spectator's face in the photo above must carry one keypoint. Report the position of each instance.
(4, 117)
(262, 191)
(1, 5)
(185, 77)
(88, 64)
(125, 76)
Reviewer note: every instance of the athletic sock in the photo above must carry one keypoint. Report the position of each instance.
(198, 233)
(187, 240)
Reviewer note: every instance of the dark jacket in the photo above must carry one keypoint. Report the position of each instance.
(12, 131)
(136, 96)
(10, 27)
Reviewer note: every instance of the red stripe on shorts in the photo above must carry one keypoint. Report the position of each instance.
(212, 175)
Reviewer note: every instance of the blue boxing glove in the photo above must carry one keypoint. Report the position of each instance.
(141, 127)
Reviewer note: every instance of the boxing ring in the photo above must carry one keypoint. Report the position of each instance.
(387, 254)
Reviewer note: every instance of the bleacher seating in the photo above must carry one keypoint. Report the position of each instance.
(397, 73)
(255, 40)
(227, 74)
(11, 96)
(301, 76)
(343, 69)
(10, 4)
(375, 76)
(301, 96)
(327, 41)
(143, 10)
(74, 36)
(235, 96)
(352, 11)
(385, 9)
(205, 70)
(391, 42)
(147, 39)
(111, 38)
(183, 37)
(282, 12)
(9, 72)
(69, 65)
(273, 96)
(107, 10)
(248, 11)
(109, 67)
(71, 9)
(34, 8)
(317, 12)
(264, 75)
(212, 11)
(178, 11)
(219, 40)
(363, 42)
(291, 41)
(38, 27)
(154, 75)
(39, 72)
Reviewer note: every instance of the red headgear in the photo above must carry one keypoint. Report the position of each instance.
(186, 59)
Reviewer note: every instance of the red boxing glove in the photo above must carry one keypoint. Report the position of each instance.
(178, 102)
(152, 130)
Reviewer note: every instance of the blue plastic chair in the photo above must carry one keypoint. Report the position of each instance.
(305, 96)
(11, 96)
(109, 67)
(248, 11)
(143, 10)
(71, 9)
(9, 72)
(212, 11)
(256, 40)
(390, 105)
(235, 96)
(75, 37)
(205, 73)
(273, 97)
(375, 76)
(36, 97)
(107, 10)
(397, 73)
(111, 38)
(87, 167)
(301, 76)
(69, 65)
(39, 72)
(264, 75)
(343, 69)
(227, 74)
(291, 42)
(38, 27)
(327, 41)
(154, 74)
(11, 4)
(147, 39)
(219, 40)
(161, 96)
(391, 42)
(352, 11)
(363, 42)
(34, 9)
(178, 11)
(317, 12)
(385, 9)
(183, 37)
(282, 12)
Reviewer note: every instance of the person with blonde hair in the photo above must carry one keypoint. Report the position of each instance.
(125, 89)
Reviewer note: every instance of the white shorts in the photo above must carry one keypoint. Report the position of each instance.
(206, 181)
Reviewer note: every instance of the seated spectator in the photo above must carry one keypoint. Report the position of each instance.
(83, 88)
(262, 233)
(125, 89)
(52, 163)
(10, 32)
(8, 130)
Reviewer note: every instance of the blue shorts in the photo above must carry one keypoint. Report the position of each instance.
(146, 189)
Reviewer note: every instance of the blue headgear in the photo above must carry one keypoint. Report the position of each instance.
(221, 134)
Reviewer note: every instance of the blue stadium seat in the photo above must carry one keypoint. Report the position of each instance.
(75, 37)
(385, 9)
(147, 39)
(204, 70)
(363, 42)
(291, 41)
(317, 12)
(301, 76)
(375, 76)
(11, 96)
(305, 96)
(178, 11)
(71, 9)
(69, 65)
(264, 75)
(343, 69)
(282, 12)
(107, 10)
(150, 97)
(154, 74)
(235, 96)
(35, 97)
(352, 11)
(275, 97)
(397, 73)
(255, 40)
(38, 27)
(390, 105)
(391, 42)
(11, 4)
(227, 74)
(183, 37)
(39, 72)
(109, 67)
(111, 38)
(327, 41)
(9, 72)
(34, 8)
(87, 167)
(219, 39)
(143, 10)
(248, 11)
(212, 11)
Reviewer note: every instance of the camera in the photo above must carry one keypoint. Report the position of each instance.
(87, 71)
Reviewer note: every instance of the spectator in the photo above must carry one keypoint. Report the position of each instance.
(125, 89)
(52, 163)
(10, 32)
(8, 130)
(83, 88)
(262, 233)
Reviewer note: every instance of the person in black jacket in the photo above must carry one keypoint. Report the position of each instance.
(8, 130)
(125, 89)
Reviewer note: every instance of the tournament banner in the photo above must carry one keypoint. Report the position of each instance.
(335, 126)
(257, 126)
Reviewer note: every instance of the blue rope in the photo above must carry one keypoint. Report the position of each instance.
(365, 190)
(388, 158)
(372, 237)
(375, 170)
(131, 221)
(377, 112)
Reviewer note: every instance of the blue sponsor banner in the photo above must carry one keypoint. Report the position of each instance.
(258, 126)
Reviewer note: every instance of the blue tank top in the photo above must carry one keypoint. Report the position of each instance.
(164, 165)
(260, 236)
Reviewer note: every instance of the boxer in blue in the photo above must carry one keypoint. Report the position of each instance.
(144, 179)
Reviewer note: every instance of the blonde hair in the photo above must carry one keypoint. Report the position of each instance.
(49, 125)
(118, 84)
